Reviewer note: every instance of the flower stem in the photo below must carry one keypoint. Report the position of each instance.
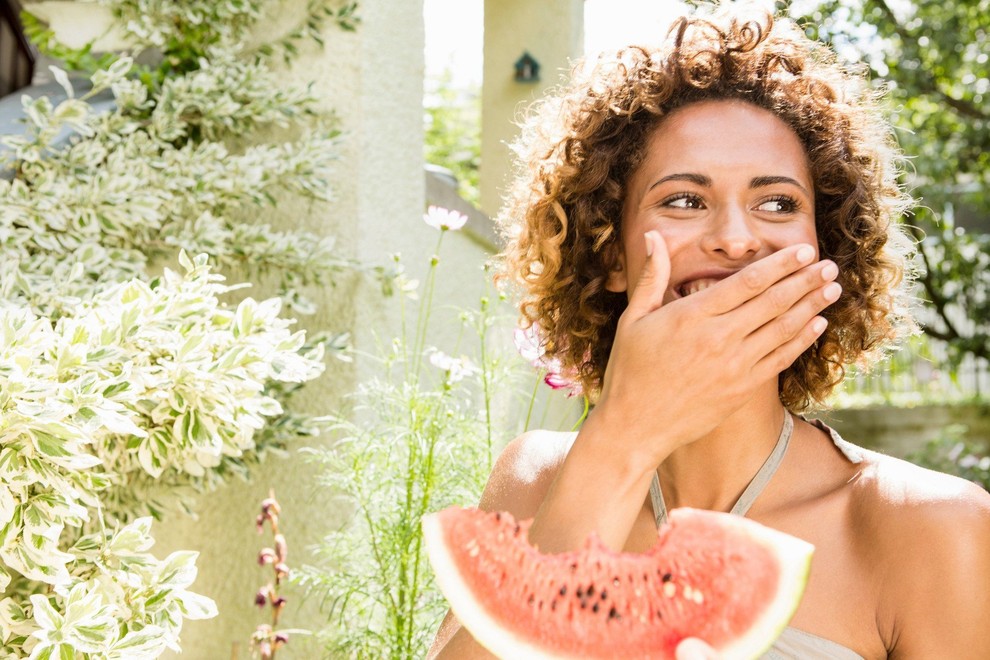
(425, 307)
(532, 399)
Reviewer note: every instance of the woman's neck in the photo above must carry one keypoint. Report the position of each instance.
(712, 472)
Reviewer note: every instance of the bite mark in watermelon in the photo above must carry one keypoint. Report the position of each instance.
(722, 578)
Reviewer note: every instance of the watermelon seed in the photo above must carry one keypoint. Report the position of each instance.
(563, 590)
(614, 614)
(603, 594)
(594, 608)
(659, 614)
(667, 577)
(530, 600)
(591, 590)
(498, 516)
(669, 589)
(615, 582)
(553, 605)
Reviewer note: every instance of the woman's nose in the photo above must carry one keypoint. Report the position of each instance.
(732, 235)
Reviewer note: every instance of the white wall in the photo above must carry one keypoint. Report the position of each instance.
(552, 31)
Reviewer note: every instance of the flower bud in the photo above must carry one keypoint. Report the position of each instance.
(270, 507)
(281, 547)
(267, 556)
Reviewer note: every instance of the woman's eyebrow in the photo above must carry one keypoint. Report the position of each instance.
(762, 181)
(699, 179)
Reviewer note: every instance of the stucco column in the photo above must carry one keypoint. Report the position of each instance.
(552, 31)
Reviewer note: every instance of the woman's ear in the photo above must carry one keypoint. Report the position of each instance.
(617, 281)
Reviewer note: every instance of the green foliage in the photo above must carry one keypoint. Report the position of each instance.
(416, 442)
(189, 34)
(954, 454)
(453, 133)
(123, 393)
(931, 57)
(122, 603)
(155, 176)
(139, 382)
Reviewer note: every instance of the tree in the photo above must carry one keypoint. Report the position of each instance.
(452, 132)
(932, 59)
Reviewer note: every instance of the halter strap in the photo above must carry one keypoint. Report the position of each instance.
(753, 490)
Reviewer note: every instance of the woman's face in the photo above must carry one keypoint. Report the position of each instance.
(725, 183)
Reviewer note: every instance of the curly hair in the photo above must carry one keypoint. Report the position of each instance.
(579, 147)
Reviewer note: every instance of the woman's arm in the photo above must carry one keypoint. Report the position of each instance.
(707, 353)
(518, 483)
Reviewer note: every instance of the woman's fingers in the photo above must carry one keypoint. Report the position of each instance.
(784, 354)
(754, 280)
(648, 294)
(791, 324)
(794, 293)
(695, 649)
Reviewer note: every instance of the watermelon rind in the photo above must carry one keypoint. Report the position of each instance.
(794, 557)
(795, 565)
(485, 629)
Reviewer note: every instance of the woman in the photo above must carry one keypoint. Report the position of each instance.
(705, 236)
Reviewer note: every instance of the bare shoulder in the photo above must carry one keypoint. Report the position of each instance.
(905, 494)
(931, 535)
(524, 471)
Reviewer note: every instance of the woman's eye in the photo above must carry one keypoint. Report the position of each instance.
(684, 201)
(778, 205)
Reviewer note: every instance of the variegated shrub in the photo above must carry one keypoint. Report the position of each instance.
(122, 392)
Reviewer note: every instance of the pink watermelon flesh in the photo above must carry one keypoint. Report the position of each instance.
(725, 579)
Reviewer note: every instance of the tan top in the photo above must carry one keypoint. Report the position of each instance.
(793, 643)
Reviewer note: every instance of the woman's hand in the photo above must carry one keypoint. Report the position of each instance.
(676, 372)
(682, 368)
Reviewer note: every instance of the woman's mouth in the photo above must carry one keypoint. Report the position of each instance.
(694, 286)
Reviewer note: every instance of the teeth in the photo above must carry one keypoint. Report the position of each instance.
(696, 285)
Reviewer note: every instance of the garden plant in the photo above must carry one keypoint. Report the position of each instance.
(130, 378)
(419, 436)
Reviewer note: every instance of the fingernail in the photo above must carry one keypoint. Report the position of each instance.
(805, 254)
(649, 244)
(829, 272)
(832, 291)
(819, 325)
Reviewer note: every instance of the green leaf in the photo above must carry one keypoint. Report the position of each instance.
(45, 615)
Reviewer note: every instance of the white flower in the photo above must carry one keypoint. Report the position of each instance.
(529, 344)
(444, 219)
(457, 368)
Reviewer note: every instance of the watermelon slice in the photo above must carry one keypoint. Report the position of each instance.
(722, 578)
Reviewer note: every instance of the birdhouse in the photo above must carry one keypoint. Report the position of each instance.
(527, 69)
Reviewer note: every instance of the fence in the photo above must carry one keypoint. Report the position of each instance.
(920, 373)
